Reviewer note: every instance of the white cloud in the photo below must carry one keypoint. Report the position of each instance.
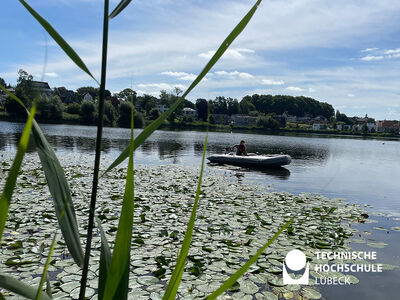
(234, 74)
(51, 74)
(159, 86)
(294, 89)
(393, 51)
(311, 90)
(369, 49)
(272, 82)
(350, 95)
(372, 57)
(182, 75)
(235, 53)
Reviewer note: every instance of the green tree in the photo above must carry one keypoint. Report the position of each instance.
(124, 119)
(24, 91)
(154, 114)
(3, 82)
(202, 108)
(267, 122)
(110, 114)
(87, 112)
(49, 108)
(127, 94)
(73, 108)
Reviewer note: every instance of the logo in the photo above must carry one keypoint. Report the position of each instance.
(295, 260)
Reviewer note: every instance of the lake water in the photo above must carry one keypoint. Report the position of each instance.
(364, 171)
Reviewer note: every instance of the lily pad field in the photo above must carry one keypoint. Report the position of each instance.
(233, 221)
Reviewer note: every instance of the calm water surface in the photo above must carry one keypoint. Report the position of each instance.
(364, 171)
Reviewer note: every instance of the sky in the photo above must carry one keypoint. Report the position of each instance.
(346, 53)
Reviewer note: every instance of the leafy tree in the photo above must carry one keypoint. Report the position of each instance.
(364, 129)
(73, 108)
(49, 108)
(233, 106)
(127, 94)
(267, 122)
(3, 82)
(110, 114)
(87, 112)
(24, 91)
(154, 114)
(124, 119)
(202, 107)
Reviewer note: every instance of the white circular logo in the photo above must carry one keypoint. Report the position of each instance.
(295, 260)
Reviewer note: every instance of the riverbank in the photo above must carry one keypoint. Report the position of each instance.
(71, 119)
(233, 221)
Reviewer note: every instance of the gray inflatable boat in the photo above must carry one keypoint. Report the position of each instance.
(251, 160)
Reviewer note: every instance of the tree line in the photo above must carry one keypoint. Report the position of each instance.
(62, 103)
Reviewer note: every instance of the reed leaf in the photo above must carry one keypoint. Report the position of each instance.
(120, 7)
(160, 120)
(58, 39)
(231, 280)
(6, 195)
(14, 285)
(59, 189)
(176, 277)
(46, 266)
(105, 260)
(118, 274)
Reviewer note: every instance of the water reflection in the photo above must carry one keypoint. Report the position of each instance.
(280, 173)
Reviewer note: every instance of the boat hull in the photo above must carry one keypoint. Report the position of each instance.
(261, 161)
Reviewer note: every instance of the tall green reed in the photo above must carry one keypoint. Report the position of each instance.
(114, 269)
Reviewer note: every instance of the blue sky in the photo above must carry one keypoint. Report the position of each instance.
(346, 53)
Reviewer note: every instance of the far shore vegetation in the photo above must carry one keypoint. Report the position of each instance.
(256, 113)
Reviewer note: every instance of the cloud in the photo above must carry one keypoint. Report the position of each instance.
(182, 75)
(229, 54)
(294, 89)
(311, 90)
(156, 87)
(51, 74)
(272, 82)
(350, 95)
(234, 74)
(372, 57)
(393, 51)
(369, 49)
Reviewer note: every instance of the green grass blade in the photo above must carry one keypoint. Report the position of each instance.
(231, 280)
(160, 120)
(46, 266)
(60, 193)
(1, 296)
(105, 260)
(175, 280)
(6, 195)
(118, 275)
(120, 7)
(59, 189)
(14, 285)
(58, 39)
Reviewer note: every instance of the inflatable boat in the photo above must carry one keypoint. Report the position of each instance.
(251, 160)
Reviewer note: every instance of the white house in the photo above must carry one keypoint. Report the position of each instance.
(320, 125)
(161, 108)
(189, 112)
(87, 97)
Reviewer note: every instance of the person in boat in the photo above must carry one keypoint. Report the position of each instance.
(241, 149)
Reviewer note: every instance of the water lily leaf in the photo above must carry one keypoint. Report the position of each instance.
(310, 293)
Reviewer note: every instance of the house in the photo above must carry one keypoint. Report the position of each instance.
(161, 108)
(370, 126)
(87, 97)
(4, 95)
(387, 126)
(289, 118)
(42, 87)
(243, 120)
(220, 118)
(320, 125)
(343, 127)
(189, 112)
